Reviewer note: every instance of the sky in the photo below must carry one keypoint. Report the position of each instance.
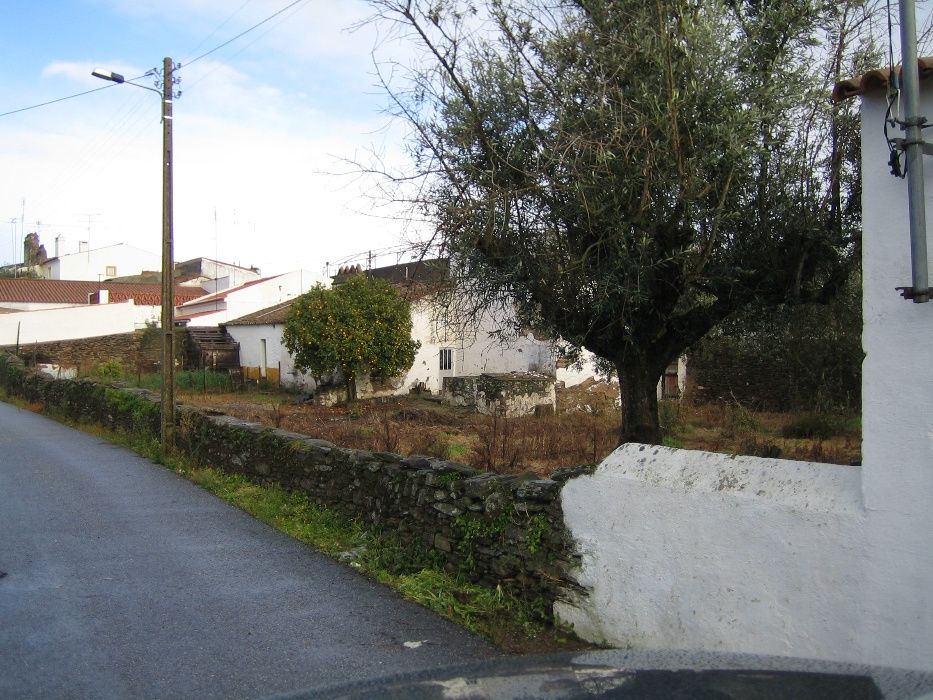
(265, 131)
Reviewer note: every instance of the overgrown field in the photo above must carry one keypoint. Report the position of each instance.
(583, 431)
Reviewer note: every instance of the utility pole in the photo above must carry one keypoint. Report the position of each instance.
(166, 95)
(168, 281)
(913, 148)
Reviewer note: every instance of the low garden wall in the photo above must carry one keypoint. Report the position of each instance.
(496, 529)
(512, 394)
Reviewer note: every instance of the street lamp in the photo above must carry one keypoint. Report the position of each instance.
(168, 287)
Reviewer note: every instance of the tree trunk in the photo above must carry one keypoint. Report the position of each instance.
(638, 389)
(351, 389)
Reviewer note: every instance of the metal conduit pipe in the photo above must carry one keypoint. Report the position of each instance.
(913, 147)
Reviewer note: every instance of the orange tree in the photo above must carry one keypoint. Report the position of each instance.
(361, 327)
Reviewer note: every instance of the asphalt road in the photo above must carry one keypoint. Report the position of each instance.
(124, 580)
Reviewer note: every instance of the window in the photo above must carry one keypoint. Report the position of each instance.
(447, 359)
(111, 270)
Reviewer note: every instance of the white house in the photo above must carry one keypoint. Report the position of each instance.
(262, 352)
(254, 295)
(214, 275)
(446, 349)
(45, 310)
(95, 264)
(691, 550)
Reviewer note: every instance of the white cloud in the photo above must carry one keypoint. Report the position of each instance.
(258, 129)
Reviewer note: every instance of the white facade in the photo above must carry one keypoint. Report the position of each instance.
(101, 263)
(215, 276)
(470, 353)
(261, 346)
(685, 549)
(74, 322)
(255, 295)
(36, 305)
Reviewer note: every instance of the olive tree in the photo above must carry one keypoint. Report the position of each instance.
(627, 174)
(361, 327)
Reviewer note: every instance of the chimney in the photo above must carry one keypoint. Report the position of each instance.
(58, 239)
(103, 296)
(82, 246)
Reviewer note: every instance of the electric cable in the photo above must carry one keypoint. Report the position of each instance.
(218, 28)
(893, 95)
(51, 102)
(244, 32)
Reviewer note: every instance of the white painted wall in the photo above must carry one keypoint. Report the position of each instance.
(245, 300)
(250, 339)
(474, 352)
(35, 305)
(91, 265)
(75, 322)
(685, 549)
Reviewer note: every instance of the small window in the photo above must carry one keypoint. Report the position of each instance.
(111, 270)
(447, 359)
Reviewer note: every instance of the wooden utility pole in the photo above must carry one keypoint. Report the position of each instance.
(168, 281)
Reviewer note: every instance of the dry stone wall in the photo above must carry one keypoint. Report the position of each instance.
(496, 529)
(129, 349)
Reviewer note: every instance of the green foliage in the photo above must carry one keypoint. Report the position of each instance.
(738, 420)
(15, 272)
(537, 528)
(361, 327)
(449, 446)
(204, 380)
(111, 369)
(629, 174)
(792, 357)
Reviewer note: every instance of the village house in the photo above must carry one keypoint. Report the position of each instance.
(448, 349)
(96, 264)
(49, 310)
(253, 295)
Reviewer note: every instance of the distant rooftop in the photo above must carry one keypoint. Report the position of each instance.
(26, 291)
(269, 315)
(419, 271)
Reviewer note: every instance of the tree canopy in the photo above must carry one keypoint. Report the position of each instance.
(360, 327)
(630, 173)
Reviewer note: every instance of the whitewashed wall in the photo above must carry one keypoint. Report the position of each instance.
(685, 549)
(246, 300)
(91, 265)
(250, 339)
(35, 305)
(474, 352)
(75, 322)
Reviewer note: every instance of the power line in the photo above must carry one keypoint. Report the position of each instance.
(193, 60)
(244, 32)
(218, 28)
(69, 97)
(60, 99)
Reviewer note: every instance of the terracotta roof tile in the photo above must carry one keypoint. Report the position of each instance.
(876, 80)
(269, 315)
(79, 292)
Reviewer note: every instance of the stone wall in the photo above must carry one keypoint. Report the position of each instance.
(512, 394)
(131, 350)
(495, 529)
